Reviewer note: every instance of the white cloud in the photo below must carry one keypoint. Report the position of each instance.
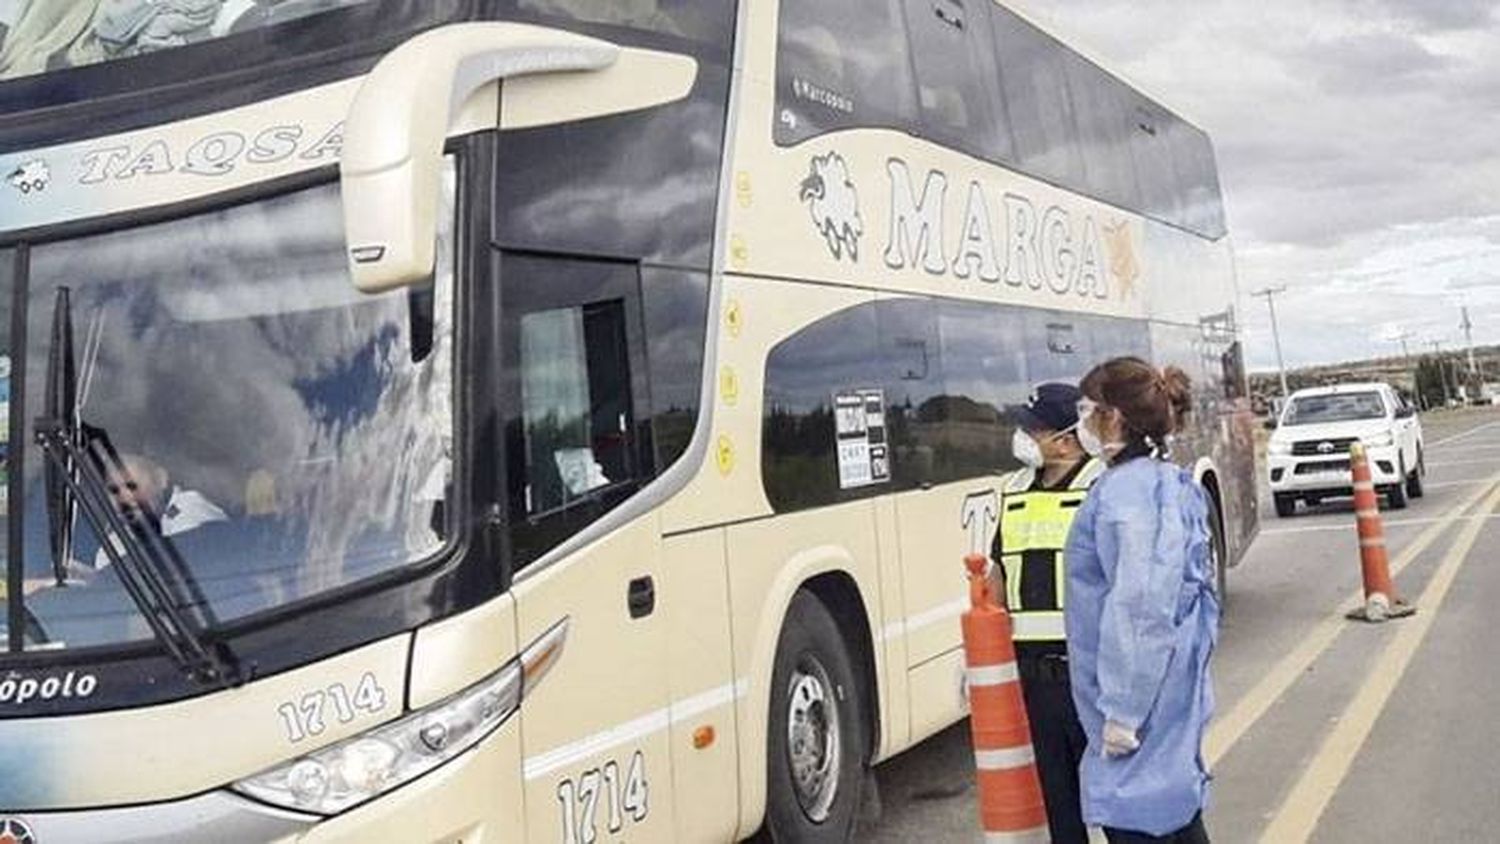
(1356, 144)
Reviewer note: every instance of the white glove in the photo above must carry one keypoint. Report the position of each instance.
(1119, 740)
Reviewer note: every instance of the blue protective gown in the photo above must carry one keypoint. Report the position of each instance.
(1142, 620)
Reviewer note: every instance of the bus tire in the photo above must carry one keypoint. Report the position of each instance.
(1218, 546)
(817, 744)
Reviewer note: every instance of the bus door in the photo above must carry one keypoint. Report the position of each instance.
(595, 734)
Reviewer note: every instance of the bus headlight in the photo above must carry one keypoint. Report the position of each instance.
(362, 767)
(365, 766)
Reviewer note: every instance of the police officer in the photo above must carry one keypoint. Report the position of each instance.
(1037, 506)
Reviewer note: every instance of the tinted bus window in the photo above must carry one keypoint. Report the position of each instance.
(1198, 181)
(841, 64)
(985, 354)
(1033, 77)
(804, 373)
(956, 86)
(676, 316)
(1103, 105)
(911, 366)
(1152, 132)
(574, 390)
(42, 36)
(706, 21)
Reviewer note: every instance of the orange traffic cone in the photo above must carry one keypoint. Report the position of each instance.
(1381, 601)
(1010, 793)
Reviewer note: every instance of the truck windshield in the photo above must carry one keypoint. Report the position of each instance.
(1340, 407)
(286, 434)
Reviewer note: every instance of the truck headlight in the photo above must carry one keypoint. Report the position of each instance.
(362, 767)
(1280, 448)
(1380, 440)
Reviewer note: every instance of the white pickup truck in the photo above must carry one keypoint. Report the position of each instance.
(1308, 454)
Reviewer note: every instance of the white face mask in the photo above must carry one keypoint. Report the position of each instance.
(1088, 438)
(1026, 450)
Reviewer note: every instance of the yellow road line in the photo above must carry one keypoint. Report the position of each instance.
(1255, 703)
(1299, 814)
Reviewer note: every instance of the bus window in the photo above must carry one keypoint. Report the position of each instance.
(676, 315)
(1033, 77)
(696, 20)
(984, 371)
(1102, 104)
(912, 375)
(39, 36)
(956, 75)
(575, 400)
(841, 64)
(575, 389)
(1198, 182)
(1153, 132)
(804, 373)
(294, 443)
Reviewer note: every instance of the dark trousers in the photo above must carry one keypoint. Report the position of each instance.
(1058, 739)
(1193, 833)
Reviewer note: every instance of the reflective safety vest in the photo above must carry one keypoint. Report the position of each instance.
(1034, 527)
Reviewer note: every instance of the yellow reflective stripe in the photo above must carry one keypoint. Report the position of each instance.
(1038, 627)
(1060, 575)
(1013, 567)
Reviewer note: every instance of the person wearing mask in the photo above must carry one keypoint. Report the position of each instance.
(1141, 617)
(1037, 506)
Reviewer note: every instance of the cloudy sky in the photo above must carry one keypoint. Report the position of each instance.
(1359, 146)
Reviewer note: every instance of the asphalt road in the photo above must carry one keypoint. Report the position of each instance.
(1327, 730)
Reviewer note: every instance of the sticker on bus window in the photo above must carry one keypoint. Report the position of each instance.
(859, 426)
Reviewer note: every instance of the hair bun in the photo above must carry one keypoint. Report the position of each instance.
(1178, 388)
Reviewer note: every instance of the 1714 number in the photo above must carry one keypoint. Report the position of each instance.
(305, 717)
(580, 800)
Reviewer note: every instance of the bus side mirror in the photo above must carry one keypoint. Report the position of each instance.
(392, 164)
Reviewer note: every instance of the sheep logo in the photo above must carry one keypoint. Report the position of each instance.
(31, 177)
(834, 204)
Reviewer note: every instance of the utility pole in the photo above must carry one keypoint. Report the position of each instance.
(1437, 351)
(1468, 327)
(1270, 294)
(1406, 356)
(1469, 341)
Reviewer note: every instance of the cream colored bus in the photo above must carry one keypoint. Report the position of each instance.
(546, 420)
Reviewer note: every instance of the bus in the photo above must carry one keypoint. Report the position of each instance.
(546, 420)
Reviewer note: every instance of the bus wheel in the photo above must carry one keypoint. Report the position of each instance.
(1218, 550)
(816, 748)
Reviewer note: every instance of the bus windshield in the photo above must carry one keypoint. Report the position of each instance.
(286, 434)
(40, 36)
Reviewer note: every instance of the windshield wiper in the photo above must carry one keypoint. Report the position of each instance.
(148, 565)
(61, 402)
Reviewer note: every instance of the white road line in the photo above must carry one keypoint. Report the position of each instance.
(1465, 447)
(1349, 528)
(1254, 704)
(1473, 462)
(1469, 433)
(1298, 816)
(1445, 484)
